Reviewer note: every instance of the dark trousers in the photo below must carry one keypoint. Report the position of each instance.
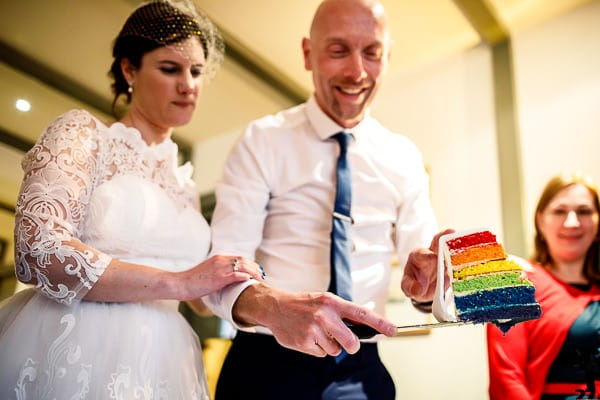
(257, 367)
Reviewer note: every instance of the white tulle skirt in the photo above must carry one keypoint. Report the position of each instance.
(97, 351)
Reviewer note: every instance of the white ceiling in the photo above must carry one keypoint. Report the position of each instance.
(74, 38)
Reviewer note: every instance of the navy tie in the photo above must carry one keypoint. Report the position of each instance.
(341, 281)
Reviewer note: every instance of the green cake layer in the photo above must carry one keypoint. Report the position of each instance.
(482, 282)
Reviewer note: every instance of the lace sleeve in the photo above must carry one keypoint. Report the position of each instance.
(59, 174)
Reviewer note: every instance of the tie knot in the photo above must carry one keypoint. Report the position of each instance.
(343, 139)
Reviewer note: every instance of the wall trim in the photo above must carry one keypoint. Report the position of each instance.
(492, 31)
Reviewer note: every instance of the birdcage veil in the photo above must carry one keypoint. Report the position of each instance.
(171, 22)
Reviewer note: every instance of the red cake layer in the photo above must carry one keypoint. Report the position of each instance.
(473, 239)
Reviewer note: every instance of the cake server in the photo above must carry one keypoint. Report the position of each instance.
(366, 332)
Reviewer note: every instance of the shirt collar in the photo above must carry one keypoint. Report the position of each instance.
(325, 127)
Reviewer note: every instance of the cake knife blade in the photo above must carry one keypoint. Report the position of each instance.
(405, 328)
(366, 332)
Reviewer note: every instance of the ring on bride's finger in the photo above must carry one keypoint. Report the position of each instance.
(235, 264)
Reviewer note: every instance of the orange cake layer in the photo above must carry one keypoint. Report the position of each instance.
(477, 254)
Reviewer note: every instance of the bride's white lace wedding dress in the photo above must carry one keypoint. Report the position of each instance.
(93, 192)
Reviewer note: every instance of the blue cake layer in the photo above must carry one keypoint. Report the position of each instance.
(498, 297)
(517, 312)
(503, 307)
(504, 317)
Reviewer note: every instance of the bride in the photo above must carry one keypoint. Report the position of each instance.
(109, 235)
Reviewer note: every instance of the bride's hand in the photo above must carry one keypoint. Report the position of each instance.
(215, 273)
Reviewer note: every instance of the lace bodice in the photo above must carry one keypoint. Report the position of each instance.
(92, 192)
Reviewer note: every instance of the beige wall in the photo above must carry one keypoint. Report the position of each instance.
(447, 109)
(557, 68)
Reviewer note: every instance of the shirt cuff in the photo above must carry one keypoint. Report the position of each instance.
(229, 296)
(423, 306)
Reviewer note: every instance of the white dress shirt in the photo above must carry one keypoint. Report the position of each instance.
(276, 197)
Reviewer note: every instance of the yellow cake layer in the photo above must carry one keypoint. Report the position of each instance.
(486, 268)
(477, 254)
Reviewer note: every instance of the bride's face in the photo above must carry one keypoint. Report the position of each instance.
(168, 82)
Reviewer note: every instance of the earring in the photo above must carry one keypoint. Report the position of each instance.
(130, 88)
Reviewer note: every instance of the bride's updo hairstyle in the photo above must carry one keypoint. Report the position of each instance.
(159, 23)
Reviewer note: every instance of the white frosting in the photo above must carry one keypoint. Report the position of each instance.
(443, 300)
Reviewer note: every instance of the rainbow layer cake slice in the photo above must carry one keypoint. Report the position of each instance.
(486, 286)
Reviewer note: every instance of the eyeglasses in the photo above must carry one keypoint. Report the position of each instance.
(563, 213)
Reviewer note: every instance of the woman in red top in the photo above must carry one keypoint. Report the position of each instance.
(557, 356)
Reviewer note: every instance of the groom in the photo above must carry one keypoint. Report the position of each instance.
(275, 202)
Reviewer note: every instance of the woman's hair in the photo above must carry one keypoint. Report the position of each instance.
(591, 269)
(131, 48)
(161, 23)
